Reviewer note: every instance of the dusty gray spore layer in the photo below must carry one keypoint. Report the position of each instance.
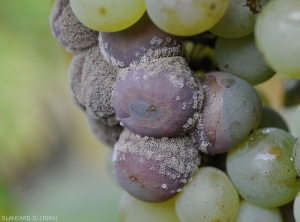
(158, 98)
(68, 30)
(91, 80)
(142, 42)
(154, 169)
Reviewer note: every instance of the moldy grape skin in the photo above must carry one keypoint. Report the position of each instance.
(158, 98)
(231, 111)
(68, 30)
(141, 42)
(154, 169)
(103, 131)
(91, 81)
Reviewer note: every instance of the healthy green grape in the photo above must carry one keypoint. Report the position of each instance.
(277, 32)
(186, 17)
(240, 57)
(239, 18)
(271, 118)
(134, 210)
(297, 208)
(108, 15)
(262, 169)
(296, 155)
(296, 122)
(251, 213)
(210, 196)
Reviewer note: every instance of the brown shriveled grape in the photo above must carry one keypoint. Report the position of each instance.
(154, 169)
(67, 29)
(141, 42)
(91, 81)
(159, 98)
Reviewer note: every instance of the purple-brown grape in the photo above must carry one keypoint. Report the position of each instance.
(68, 30)
(159, 98)
(139, 43)
(232, 110)
(154, 169)
(91, 81)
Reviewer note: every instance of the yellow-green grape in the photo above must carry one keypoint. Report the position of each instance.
(296, 122)
(108, 15)
(277, 32)
(262, 170)
(297, 208)
(239, 18)
(296, 155)
(252, 213)
(186, 17)
(210, 196)
(134, 210)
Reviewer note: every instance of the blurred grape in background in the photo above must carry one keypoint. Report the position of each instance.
(50, 165)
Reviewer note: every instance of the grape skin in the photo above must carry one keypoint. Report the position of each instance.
(240, 57)
(249, 213)
(239, 18)
(272, 118)
(104, 132)
(68, 30)
(232, 109)
(210, 196)
(154, 169)
(108, 15)
(262, 170)
(141, 42)
(91, 80)
(277, 32)
(186, 18)
(158, 98)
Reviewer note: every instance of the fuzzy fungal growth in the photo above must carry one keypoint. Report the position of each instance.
(154, 169)
(141, 42)
(91, 81)
(67, 29)
(159, 98)
(105, 133)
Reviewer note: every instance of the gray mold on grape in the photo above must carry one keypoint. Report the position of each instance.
(154, 169)
(91, 80)
(231, 111)
(68, 30)
(139, 43)
(159, 98)
(103, 131)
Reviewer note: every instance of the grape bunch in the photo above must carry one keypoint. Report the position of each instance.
(170, 87)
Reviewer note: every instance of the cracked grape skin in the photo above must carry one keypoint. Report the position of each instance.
(232, 109)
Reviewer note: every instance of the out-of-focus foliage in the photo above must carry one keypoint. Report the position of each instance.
(49, 162)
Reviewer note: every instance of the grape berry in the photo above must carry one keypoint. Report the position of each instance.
(169, 87)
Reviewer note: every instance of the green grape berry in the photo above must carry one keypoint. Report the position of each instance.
(277, 33)
(108, 15)
(262, 170)
(249, 212)
(186, 18)
(210, 196)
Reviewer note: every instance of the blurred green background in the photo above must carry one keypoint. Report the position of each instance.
(50, 165)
